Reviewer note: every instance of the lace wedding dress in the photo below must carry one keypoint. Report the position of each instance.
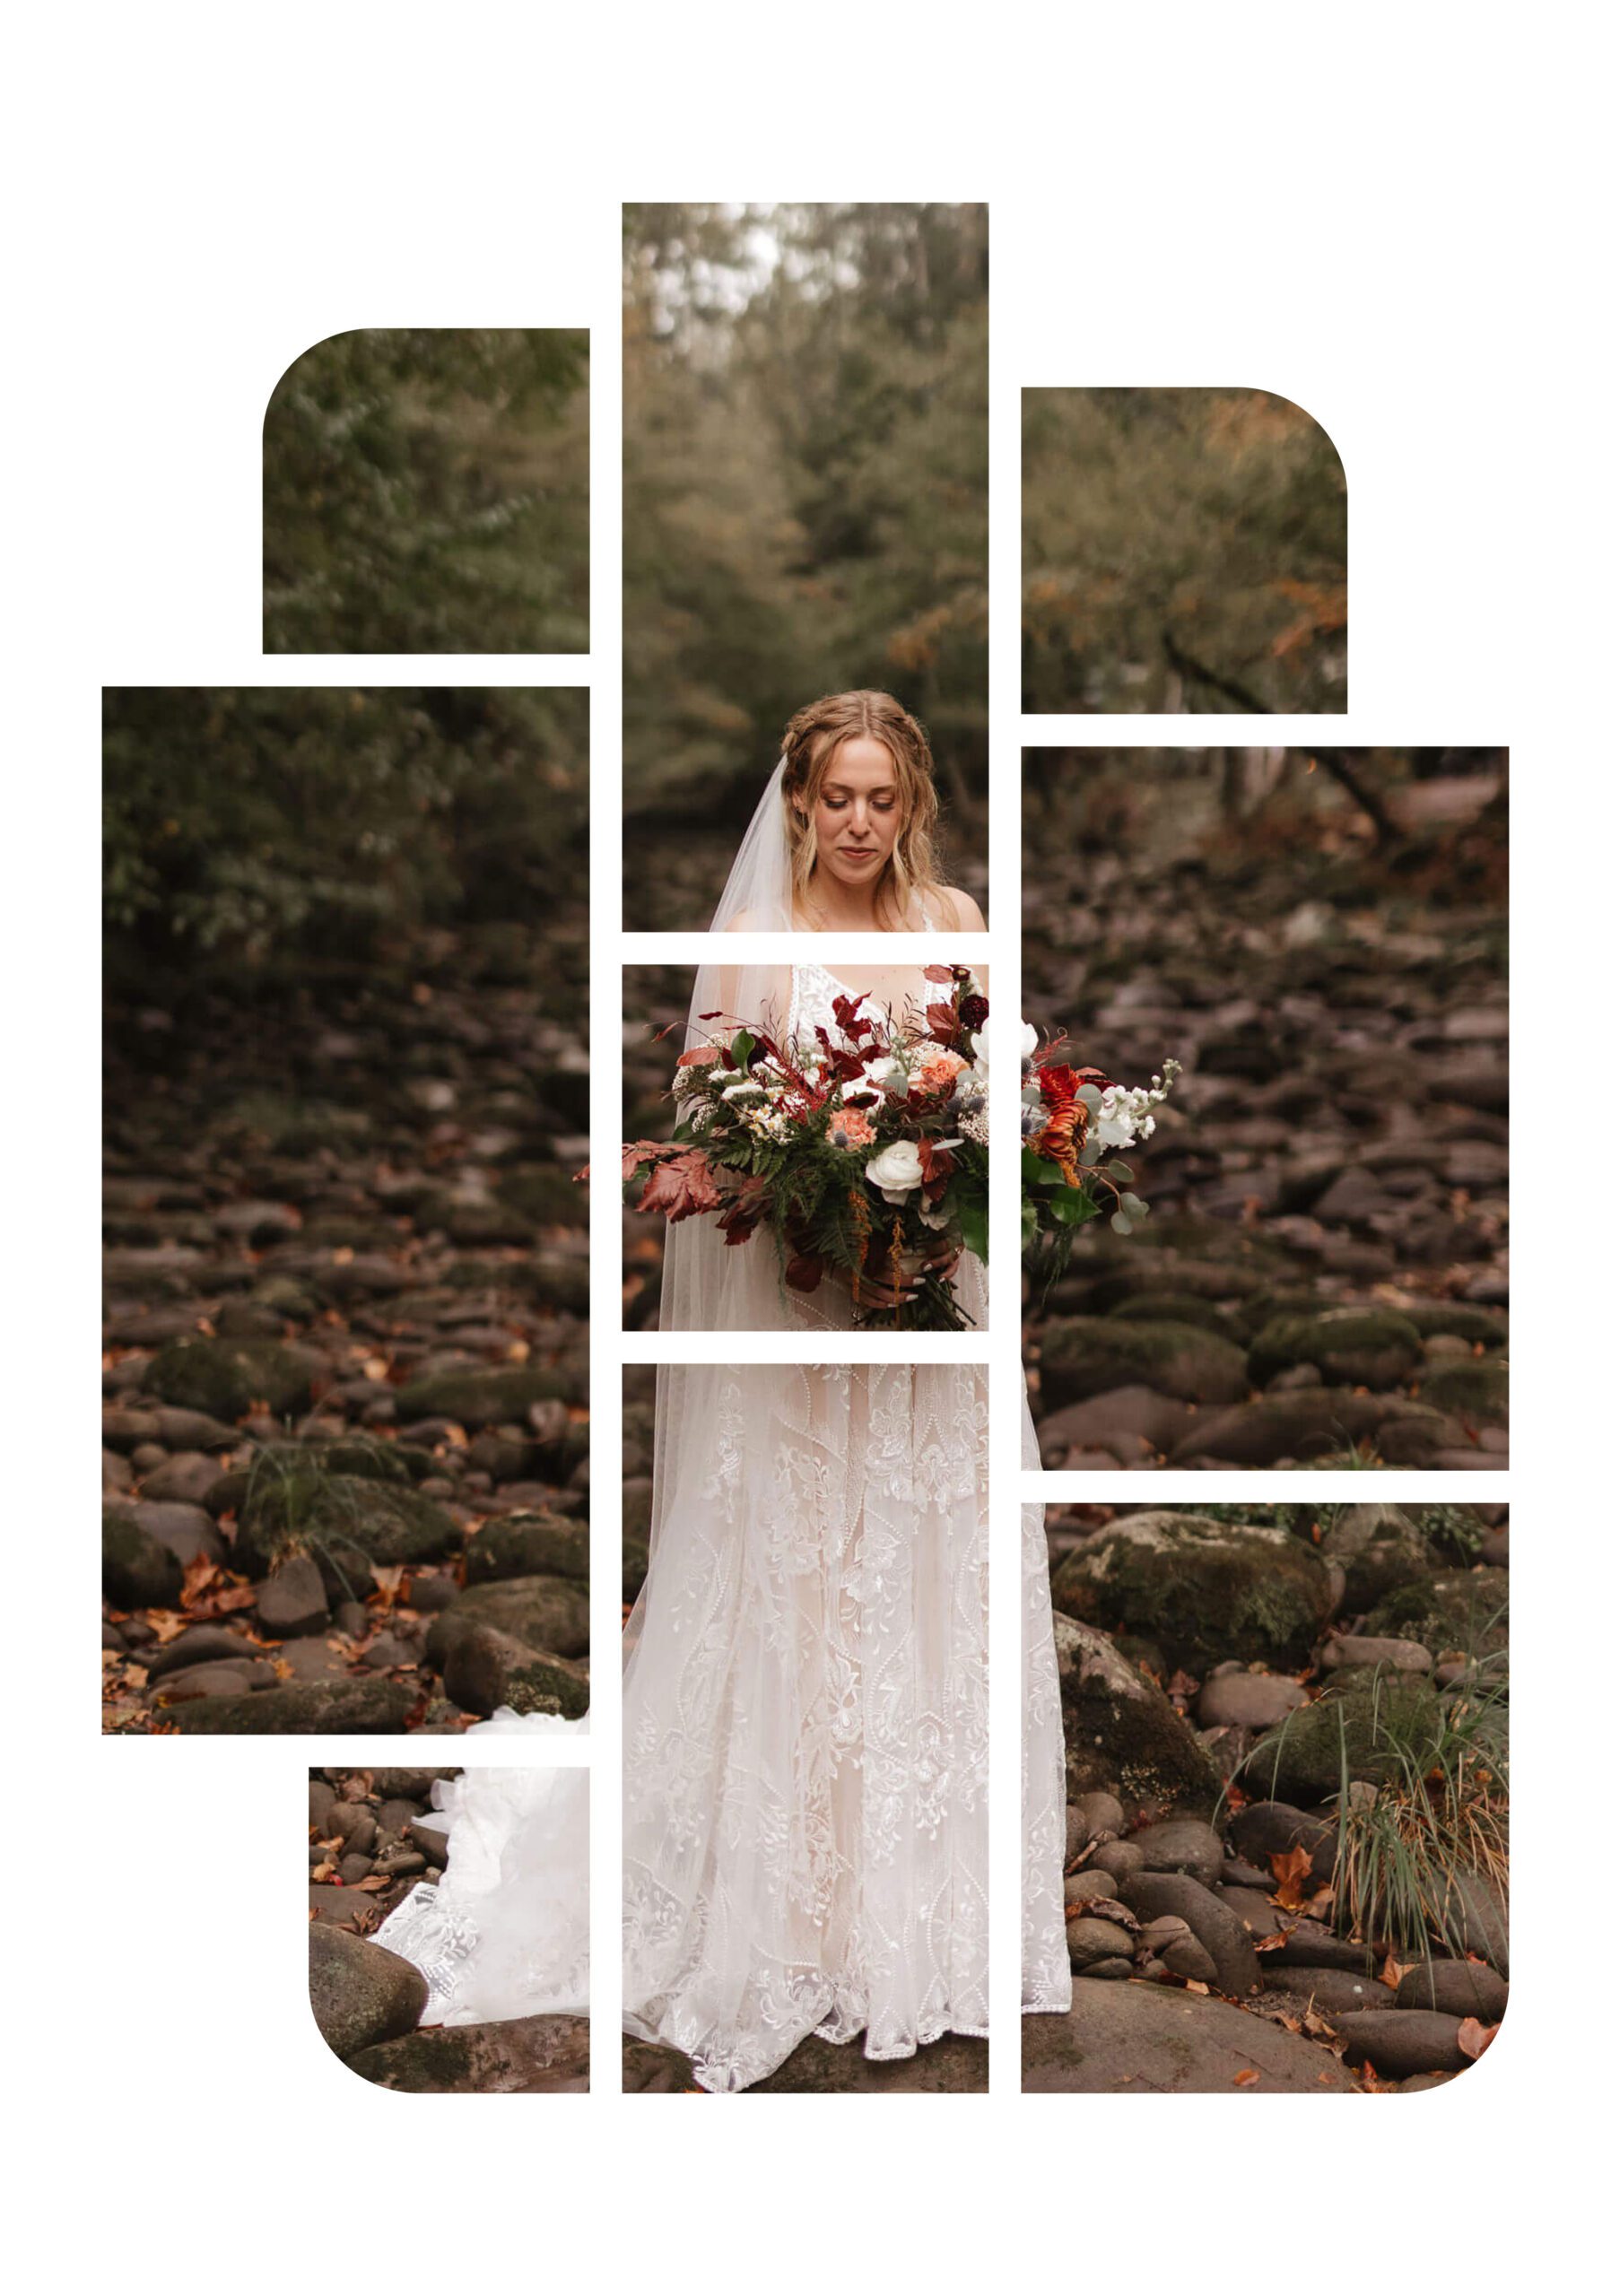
(504, 1934)
(804, 1723)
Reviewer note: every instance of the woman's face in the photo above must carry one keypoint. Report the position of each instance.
(857, 813)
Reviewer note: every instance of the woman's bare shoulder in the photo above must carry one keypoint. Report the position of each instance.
(956, 911)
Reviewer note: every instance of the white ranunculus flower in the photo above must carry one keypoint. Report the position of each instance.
(981, 1045)
(896, 1170)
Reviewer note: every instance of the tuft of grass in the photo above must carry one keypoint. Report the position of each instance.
(1443, 1812)
(1350, 1458)
(302, 1506)
(1406, 1840)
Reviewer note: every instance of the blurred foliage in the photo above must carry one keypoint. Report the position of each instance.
(425, 491)
(1183, 550)
(267, 827)
(805, 475)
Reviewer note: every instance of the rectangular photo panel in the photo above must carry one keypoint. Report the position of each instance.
(804, 1729)
(447, 1949)
(804, 1151)
(805, 525)
(1266, 1128)
(1268, 1797)
(345, 1431)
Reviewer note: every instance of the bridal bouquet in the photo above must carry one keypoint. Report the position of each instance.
(1074, 1120)
(861, 1151)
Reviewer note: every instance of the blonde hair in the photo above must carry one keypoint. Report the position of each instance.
(811, 740)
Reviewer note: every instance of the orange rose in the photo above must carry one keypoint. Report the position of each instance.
(940, 1069)
(857, 1132)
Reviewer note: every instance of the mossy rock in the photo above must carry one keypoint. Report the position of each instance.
(1377, 1549)
(393, 1463)
(1087, 1355)
(478, 1398)
(546, 1197)
(361, 1994)
(560, 1281)
(137, 1572)
(472, 1218)
(1171, 1308)
(298, 1709)
(1202, 1590)
(1123, 1735)
(291, 1296)
(653, 2068)
(1471, 1915)
(346, 1521)
(1365, 1347)
(1312, 1423)
(955, 2064)
(516, 2056)
(1480, 1389)
(1447, 1610)
(547, 1686)
(545, 1613)
(226, 1378)
(1453, 1319)
(1141, 1276)
(523, 1547)
(1357, 1731)
(376, 1462)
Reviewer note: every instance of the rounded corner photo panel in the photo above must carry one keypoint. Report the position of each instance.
(346, 1368)
(1185, 551)
(1265, 1189)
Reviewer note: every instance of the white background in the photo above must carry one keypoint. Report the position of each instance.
(1379, 213)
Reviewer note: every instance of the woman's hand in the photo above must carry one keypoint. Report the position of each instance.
(940, 1257)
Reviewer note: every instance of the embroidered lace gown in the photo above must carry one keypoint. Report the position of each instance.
(805, 1724)
(504, 1934)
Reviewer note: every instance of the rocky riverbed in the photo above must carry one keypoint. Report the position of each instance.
(344, 1430)
(1323, 1277)
(373, 1836)
(1287, 1823)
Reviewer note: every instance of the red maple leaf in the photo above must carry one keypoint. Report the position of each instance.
(682, 1186)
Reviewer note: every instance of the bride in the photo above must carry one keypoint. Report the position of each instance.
(805, 1699)
(804, 1696)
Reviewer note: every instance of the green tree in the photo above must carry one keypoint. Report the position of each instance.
(425, 491)
(806, 475)
(267, 827)
(1183, 550)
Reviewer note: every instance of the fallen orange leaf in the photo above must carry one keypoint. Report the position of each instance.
(1291, 1868)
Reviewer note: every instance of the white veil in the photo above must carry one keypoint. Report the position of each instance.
(708, 1284)
(758, 896)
